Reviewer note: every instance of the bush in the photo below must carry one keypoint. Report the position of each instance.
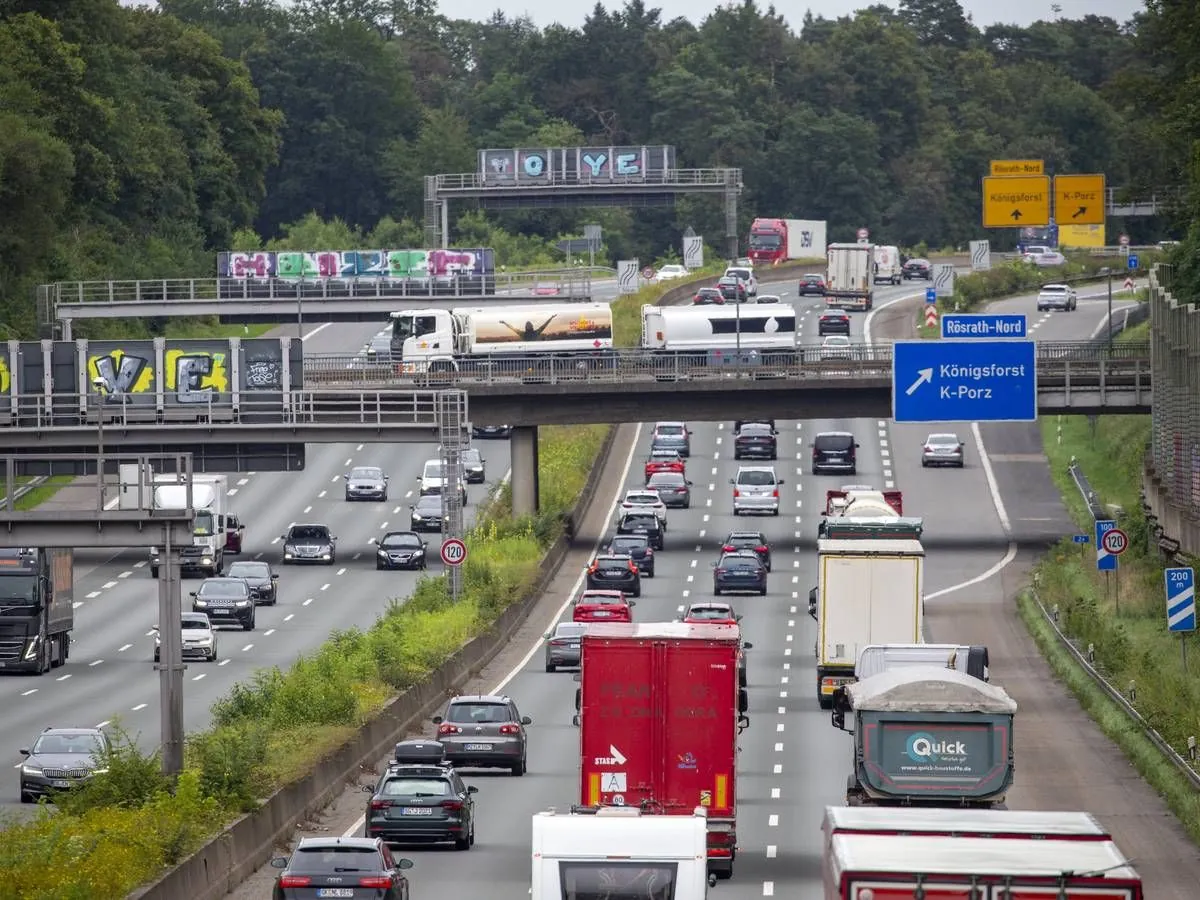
(127, 824)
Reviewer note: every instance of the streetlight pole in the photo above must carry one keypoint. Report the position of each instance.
(99, 384)
(1109, 320)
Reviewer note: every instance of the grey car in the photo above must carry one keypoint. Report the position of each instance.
(942, 450)
(427, 514)
(674, 490)
(672, 436)
(309, 544)
(264, 584)
(740, 570)
(366, 483)
(61, 758)
(484, 731)
(474, 467)
(562, 645)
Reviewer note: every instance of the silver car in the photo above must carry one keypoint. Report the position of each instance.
(672, 436)
(674, 489)
(483, 731)
(562, 645)
(942, 450)
(366, 483)
(756, 490)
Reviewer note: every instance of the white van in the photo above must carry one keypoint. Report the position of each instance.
(432, 480)
(887, 265)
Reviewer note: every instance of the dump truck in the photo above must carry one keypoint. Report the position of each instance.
(989, 823)
(927, 737)
(970, 660)
(620, 852)
(861, 503)
(660, 711)
(37, 611)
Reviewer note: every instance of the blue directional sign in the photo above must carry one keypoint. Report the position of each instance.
(931, 295)
(1181, 599)
(1105, 561)
(983, 326)
(964, 381)
(1080, 538)
(1133, 261)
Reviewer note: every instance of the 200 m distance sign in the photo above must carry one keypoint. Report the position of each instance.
(454, 552)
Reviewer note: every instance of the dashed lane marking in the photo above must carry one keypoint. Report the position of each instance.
(123, 648)
(139, 707)
(126, 573)
(268, 632)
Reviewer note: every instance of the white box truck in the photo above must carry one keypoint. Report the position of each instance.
(887, 265)
(210, 499)
(870, 590)
(849, 276)
(620, 852)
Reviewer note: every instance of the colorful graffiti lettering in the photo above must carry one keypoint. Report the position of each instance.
(195, 377)
(358, 263)
(5, 377)
(122, 373)
(192, 376)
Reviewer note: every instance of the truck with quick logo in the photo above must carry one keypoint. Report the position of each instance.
(37, 611)
(620, 852)
(870, 590)
(927, 736)
(850, 277)
(775, 241)
(210, 500)
(659, 713)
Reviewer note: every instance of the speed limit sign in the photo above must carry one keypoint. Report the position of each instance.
(1116, 541)
(648, 273)
(454, 552)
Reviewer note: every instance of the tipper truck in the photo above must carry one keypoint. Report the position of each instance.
(927, 737)
(37, 611)
(210, 499)
(849, 277)
(870, 590)
(912, 867)
(660, 710)
(860, 504)
(779, 240)
(619, 852)
(987, 823)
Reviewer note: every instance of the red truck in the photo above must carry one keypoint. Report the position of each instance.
(660, 711)
(936, 867)
(779, 240)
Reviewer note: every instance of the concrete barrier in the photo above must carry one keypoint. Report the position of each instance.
(246, 844)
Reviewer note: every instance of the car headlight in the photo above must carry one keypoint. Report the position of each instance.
(241, 603)
(199, 603)
(206, 561)
(31, 770)
(205, 640)
(383, 554)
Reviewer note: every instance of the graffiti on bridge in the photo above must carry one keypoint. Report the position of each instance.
(402, 264)
(188, 376)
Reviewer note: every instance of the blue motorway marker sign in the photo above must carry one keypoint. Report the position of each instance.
(1105, 561)
(983, 326)
(931, 295)
(1181, 599)
(1080, 538)
(1133, 261)
(964, 381)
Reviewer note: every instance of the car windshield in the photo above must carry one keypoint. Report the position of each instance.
(834, 442)
(401, 540)
(416, 787)
(745, 540)
(710, 612)
(756, 477)
(664, 455)
(366, 473)
(249, 570)
(331, 859)
(837, 340)
(756, 429)
(1054, 289)
(943, 439)
(569, 629)
(643, 499)
(670, 479)
(223, 588)
(669, 431)
(812, 277)
(628, 543)
(472, 457)
(430, 503)
(309, 533)
(83, 744)
(917, 262)
(195, 625)
(738, 273)
(433, 470)
(641, 519)
(740, 562)
(478, 713)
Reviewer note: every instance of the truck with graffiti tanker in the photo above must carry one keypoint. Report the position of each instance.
(37, 611)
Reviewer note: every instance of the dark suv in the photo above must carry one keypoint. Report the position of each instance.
(61, 758)
(834, 451)
(309, 544)
(646, 523)
(420, 798)
(226, 601)
(636, 547)
(484, 731)
(755, 440)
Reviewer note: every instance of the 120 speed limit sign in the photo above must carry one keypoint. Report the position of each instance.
(1115, 541)
(454, 552)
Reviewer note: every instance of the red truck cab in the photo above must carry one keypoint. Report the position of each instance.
(602, 606)
(660, 709)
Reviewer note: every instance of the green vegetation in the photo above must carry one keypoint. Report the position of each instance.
(123, 827)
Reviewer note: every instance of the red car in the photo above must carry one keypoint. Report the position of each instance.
(602, 606)
(235, 531)
(664, 461)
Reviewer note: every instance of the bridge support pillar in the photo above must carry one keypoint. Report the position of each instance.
(523, 453)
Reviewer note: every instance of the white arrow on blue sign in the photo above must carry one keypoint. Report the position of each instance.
(1133, 261)
(1181, 599)
(931, 295)
(964, 381)
(1105, 561)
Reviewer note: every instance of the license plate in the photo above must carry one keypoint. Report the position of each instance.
(598, 614)
(60, 783)
(478, 747)
(335, 892)
(418, 811)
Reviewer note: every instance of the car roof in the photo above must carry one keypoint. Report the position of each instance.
(835, 314)
(746, 534)
(626, 537)
(942, 434)
(812, 275)
(1055, 287)
(308, 525)
(195, 616)
(835, 434)
(388, 534)
(756, 468)
(318, 843)
(225, 579)
(70, 730)
(673, 424)
(479, 698)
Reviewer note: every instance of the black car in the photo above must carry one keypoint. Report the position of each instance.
(226, 601)
(264, 584)
(834, 451)
(61, 758)
(741, 570)
(609, 572)
(737, 425)
(309, 544)
(833, 322)
(491, 431)
(917, 270)
(708, 296)
(427, 514)
(811, 284)
(401, 550)
(755, 441)
(732, 288)
(636, 547)
(749, 540)
(474, 466)
(341, 867)
(421, 799)
(646, 523)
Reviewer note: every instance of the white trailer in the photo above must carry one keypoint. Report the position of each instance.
(849, 275)
(887, 265)
(210, 494)
(432, 340)
(805, 238)
(619, 852)
(762, 327)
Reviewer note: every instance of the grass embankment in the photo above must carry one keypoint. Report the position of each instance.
(126, 826)
(1129, 638)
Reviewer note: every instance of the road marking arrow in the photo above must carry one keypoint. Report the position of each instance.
(1082, 211)
(616, 754)
(1016, 215)
(924, 376)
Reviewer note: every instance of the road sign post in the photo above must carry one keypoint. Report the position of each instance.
(627, 276)
(984, 326)
(1180, 585)
(964, 381)
(1016, 201)
(1079, 199)
(454, 552)
(1105, 561)
(693, 251)
(981, 256)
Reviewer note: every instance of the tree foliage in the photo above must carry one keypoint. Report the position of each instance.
(136, 142)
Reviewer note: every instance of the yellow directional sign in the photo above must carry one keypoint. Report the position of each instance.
(1012, 202)
(1018, 167)
(1079, 199)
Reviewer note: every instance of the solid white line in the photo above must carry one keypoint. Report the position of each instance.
(1009, 556)
(316, 330)
(993, 488)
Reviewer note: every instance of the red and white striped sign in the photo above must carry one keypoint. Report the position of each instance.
(931, 315)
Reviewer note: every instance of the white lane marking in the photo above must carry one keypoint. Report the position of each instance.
(231, 492)
(242, 482)
(779, 748)
(324, 587)
(772, 851)
(123, 648)
(139, 707)
(95, 662)
(774, 793)
(342, 571)
(103, 724)
(783, 695)
(779, 728)
(333, 480)
(107, 585)
(322, 494)
(28, 692)
(773, 821)
(316, 330)
(268, 632)
(200, 676)
(223, 662)
(63, 677)
(247, 647)
(783, 679)
(77, 604)
(126, 573)
(138, 565)
(358, 449)
(397, 509)
(289, 617)
(93, 595)
(307, 510)
(778, 769)
(306, 602)
(768, 888)
(349, 460)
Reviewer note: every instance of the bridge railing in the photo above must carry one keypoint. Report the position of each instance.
(474, 181)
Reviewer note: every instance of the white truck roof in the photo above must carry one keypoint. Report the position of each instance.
(174, 496)
(962, 821)
(878, 658)
(620, 832)
(870, 546)
(928, 689)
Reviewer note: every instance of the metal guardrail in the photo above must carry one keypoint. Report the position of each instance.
(1090, 498)
(22, 489)
(665, 178)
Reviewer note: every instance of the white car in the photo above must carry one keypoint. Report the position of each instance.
(745, 274)
(671, 272)
(1057, 296)
(643, 500)
(199, 638)
(1044, 257)
(836, 346)
(756, 489)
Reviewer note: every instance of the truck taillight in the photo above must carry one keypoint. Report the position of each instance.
(447, 728)
(380, 804)
(452, 805)
(294, 881)
(375, 881)
(510, 729)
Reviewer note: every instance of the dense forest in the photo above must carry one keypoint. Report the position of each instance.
(136, 143)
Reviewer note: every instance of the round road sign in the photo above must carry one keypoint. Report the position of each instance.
(1115, 541)
(1124, 240)
(454, 552)
(863, 234)
(648, 273)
